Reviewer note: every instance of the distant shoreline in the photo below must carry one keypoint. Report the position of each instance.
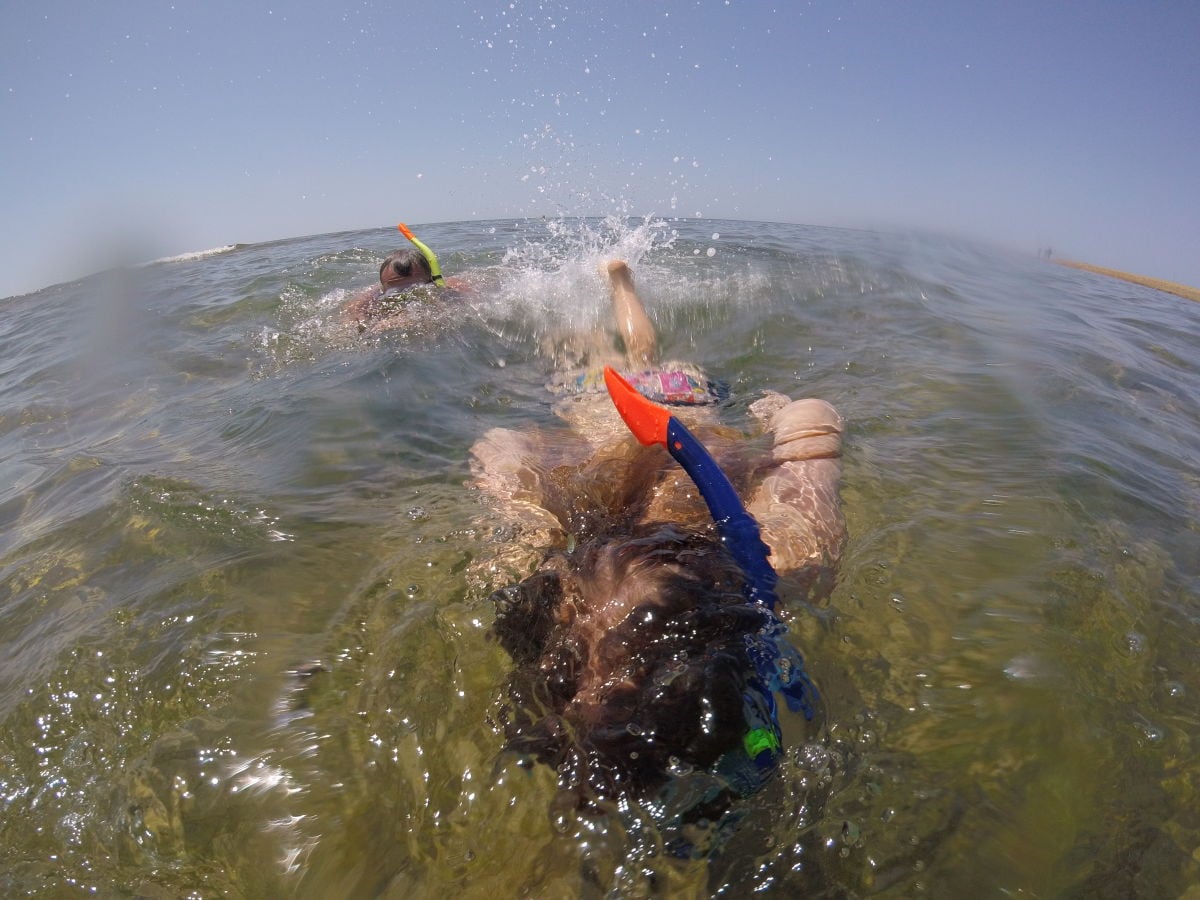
(1170, 287)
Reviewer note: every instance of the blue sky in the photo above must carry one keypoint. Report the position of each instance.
(152, 128)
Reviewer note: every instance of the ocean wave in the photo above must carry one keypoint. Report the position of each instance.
(195, 254)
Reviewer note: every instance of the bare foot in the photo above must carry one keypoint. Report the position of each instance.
(618, 268)
(633, 324)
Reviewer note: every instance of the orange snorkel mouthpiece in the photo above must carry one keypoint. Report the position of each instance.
(647, 420)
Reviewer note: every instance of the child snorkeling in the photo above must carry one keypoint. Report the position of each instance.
(644, 645)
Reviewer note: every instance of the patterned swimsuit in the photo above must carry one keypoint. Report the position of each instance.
(675, 383)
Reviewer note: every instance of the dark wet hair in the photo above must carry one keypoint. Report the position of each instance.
(631, 660)
(406, 262)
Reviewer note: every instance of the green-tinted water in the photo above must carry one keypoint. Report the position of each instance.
(244, 577)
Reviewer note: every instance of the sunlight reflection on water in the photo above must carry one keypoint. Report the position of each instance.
(245, 587)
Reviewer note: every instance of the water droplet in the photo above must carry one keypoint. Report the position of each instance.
(679, 767)
(814, 757)
(1152, 733)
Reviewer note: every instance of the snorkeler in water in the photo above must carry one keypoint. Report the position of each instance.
(643, 643)
(401, 276)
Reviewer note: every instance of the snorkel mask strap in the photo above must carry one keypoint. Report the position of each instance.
(435, 271)
(777, 662)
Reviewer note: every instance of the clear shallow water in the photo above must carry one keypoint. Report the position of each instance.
(210, 486)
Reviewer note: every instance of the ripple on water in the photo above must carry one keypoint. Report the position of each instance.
(222, 485)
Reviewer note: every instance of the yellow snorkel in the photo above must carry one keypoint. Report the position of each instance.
(434, 269)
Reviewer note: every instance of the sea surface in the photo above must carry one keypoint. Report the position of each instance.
(245, 576)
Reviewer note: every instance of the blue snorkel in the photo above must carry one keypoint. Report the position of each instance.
(777, 663)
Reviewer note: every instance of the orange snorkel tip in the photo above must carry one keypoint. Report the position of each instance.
(648, 421)
(403, 229)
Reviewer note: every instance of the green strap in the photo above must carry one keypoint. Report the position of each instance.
(759, 739)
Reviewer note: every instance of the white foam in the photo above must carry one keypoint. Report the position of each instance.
(194, 255)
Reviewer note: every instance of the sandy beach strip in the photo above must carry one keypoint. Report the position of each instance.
(1179, 290)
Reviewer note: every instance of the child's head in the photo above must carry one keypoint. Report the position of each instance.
(631, 660)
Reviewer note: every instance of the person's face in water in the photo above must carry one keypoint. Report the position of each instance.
(396, 276)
